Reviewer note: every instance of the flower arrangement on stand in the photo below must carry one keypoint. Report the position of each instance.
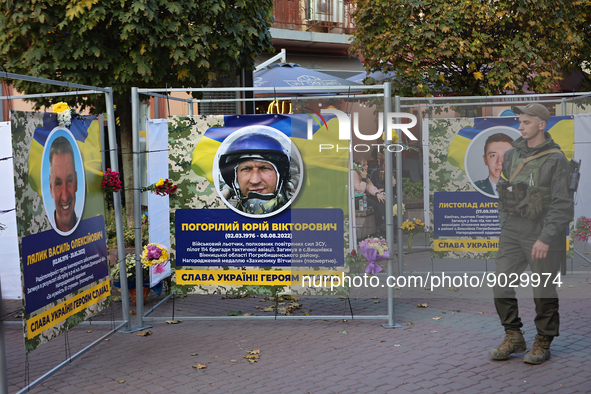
(111, 181)
(374, 250)
(156, 257)
(412, 227)
(64, 114)
(130, 263)
(162, 188)
(583, 229)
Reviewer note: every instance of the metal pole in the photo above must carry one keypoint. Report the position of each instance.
(50, 82)
(118, 212)
(156, 108)
(389, 203)
(67, 362)
(135, 112)
(190, 104)
(3, 369)
(563, 102)
(399, 193)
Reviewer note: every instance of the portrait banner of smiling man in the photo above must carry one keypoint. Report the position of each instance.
(60, 222)
(261, 203)
(465, 162)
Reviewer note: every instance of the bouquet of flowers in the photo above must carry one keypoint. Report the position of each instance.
(130, 271)
(64, 114)
(163, 187)
(374, 250)
(156, 258)
(111, 181)
(583, 230)
(412, 227)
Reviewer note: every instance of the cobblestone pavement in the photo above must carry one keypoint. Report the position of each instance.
(440, 347)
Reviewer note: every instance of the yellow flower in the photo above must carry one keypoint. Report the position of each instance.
(60, 107)
(160, 182)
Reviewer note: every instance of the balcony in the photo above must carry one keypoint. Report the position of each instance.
(321, 16)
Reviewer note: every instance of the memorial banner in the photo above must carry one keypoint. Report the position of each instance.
(60, 223)
(465, 161)
(257, 192)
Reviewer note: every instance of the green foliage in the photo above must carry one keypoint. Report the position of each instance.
(125, 43)
(130, 263)
(128, 231)
(470, 47)
(411, 190)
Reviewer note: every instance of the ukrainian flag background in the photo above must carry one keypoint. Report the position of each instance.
(325, 177)
(561, 128)
(86, 131)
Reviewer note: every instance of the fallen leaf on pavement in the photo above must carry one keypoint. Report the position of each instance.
(437, 318)
(422, 305)
(200, 366)
(342, 332)
(172, 321)
(144, 333)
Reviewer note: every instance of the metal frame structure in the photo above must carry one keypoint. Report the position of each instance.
(108, 92)
(323, 93)
(407, 103)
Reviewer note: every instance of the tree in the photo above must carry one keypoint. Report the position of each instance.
(130, 43)
(468, 47)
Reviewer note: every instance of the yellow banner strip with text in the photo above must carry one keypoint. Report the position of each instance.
(44, 321)
(476, 245)
(250, 277)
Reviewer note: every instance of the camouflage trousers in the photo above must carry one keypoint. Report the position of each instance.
(518, 236)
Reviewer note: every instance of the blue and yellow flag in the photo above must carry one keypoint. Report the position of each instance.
(326, 170)
(86, 131)
(561, 128)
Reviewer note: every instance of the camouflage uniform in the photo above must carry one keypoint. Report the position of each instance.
(518, 235)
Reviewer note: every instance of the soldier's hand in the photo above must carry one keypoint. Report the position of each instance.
(539, 250)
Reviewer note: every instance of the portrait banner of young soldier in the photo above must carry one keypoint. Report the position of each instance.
(60, 222)
(464, 186)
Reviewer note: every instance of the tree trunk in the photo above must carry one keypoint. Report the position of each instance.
(124, 113)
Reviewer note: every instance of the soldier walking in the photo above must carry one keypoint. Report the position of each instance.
(535, 208)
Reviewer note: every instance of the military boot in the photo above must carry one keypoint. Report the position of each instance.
(513, 343)
(540, 351)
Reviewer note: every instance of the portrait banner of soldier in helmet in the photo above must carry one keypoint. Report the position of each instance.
(259, 171)
(261, 194)
(60, 222)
